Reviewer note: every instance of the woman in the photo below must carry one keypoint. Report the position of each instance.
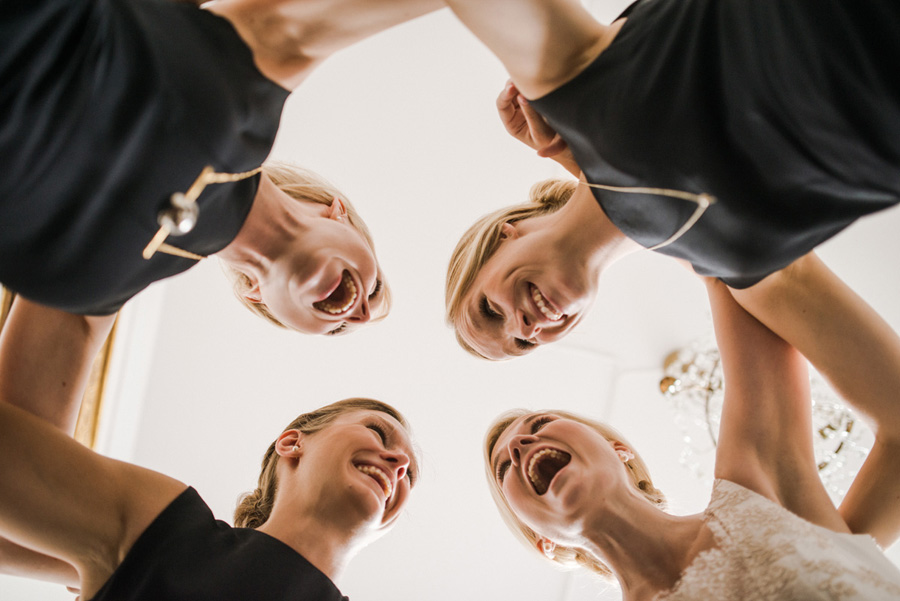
(336, 479)
(711, 131)
(577, 492)
(129, 123)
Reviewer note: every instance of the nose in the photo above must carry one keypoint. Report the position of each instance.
(398, 461)
(527, 327)
(361, 313)
(517, 447)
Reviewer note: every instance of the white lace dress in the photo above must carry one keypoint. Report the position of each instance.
(766, 553)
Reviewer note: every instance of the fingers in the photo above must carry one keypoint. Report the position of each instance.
(547, 142)
(508, 108)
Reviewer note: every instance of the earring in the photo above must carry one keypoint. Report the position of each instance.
(294, 449)
(548, 548)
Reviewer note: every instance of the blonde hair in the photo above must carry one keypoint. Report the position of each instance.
(569, 557)
(481, 241)
(303, 184)
(254, 508)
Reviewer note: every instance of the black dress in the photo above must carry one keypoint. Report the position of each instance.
(787, 111)
(186, 554)
(108, 107)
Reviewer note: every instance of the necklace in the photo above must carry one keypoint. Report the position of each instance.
(180, 216)
(703, 202)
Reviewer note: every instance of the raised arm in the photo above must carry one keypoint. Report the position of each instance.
(290, 38)
(859, 353)
(51, 487)
(542, 43)
(45, 360)
(765, 438)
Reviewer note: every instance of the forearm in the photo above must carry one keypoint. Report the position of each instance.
(872, 505)
(847, 341)
(45, 360)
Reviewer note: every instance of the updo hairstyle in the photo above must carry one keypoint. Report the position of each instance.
(254, 508)
(481, 241)
(569, 557)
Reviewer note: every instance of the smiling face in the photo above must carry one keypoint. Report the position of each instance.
(529, 292)
(327, 281)
(554, 471)
(357, 471)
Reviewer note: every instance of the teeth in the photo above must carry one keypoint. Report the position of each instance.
(543, 305)
(539, 485)
(335, 309)
(379, 475)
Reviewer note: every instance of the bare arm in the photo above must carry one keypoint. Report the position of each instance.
(859, 353)
(290, 38)
(542, 43)
(64, 501)
(45, 360)
(765, 440)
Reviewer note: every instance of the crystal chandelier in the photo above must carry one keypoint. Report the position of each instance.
(694, 384)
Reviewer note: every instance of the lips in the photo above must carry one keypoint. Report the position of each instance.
(547, 309)
(342, 298)
(543, 467)
(377, 474)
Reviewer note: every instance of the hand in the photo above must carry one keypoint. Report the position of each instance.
(527, 125)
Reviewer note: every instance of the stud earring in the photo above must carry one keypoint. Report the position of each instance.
(548, 548)
(295, 448)
(624, 455)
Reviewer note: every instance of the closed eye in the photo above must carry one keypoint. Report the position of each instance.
(525, 345)
(338, 330)
(540, 423)
(487, 311)
(501, 471)
(378, 286)
(379, 429)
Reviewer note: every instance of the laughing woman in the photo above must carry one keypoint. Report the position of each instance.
(578, 493)
(333, 481)
(735, 135)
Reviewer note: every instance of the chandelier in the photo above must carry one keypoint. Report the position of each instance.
(693, 382)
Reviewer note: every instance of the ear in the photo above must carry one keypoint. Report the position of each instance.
(289, 444)
(508, 231)
(624, 453)
(337, 211)
(253, 295)
(547, 547)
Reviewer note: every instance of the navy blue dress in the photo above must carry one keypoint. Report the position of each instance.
(787, 111)
(108, 107)
(186, 554)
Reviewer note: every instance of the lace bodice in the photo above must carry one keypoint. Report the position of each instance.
(766, 553)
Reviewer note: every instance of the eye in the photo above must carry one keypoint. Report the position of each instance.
(540, 423)
(379, 429)
(501, 471)
(338, 330)
(525, 345)
(411, 476)
(487, 311)
(378, 286)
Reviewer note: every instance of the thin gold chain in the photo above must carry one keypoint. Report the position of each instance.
(703, 202)
(207, 176)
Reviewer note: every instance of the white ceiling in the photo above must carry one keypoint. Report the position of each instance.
(405, 125)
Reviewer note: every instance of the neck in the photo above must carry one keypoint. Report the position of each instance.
(274, 220)
(290, 38)
(327, 546)
(646, 548)
(587, 233)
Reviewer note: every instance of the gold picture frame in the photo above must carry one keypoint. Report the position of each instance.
(92, 402)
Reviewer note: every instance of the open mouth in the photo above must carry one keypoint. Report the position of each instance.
(377, 475)
(341, 299)
(543, 466)
(546, 308)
